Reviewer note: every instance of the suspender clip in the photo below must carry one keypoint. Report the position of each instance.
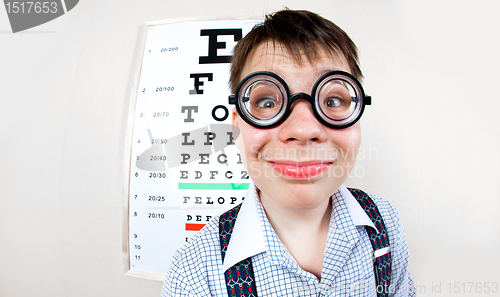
(381, 252)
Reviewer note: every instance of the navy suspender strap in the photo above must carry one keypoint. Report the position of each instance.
(240, 279)
(380, 243)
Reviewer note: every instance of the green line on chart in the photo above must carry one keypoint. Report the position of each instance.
(213, 186)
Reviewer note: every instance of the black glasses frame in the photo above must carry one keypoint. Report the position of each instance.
(288, 99)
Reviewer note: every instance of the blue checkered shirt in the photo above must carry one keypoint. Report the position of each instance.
(197, 268)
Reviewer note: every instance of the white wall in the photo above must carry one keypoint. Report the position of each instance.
(433, 134)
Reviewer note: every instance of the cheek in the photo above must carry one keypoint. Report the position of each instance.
(252, 140)
(348, 140)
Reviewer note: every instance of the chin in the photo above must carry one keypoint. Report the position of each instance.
(300, 195)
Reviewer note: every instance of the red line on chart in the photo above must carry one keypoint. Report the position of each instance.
(194, 227)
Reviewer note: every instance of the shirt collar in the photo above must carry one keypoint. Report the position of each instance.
(247, 238)
(358, 215)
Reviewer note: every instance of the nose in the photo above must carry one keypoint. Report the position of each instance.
(301, 126)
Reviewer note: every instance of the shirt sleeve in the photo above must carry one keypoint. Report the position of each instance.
(175, 284)
(194, 270)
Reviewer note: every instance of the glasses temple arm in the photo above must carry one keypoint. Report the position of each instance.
(367, 101)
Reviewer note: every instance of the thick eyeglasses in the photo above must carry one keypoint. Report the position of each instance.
(263, 99)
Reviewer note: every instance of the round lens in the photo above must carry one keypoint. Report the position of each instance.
(338, 100)
(261, 99)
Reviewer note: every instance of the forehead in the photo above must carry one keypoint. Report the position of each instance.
(276, 58)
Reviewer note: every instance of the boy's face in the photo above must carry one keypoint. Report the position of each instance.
(300, 163)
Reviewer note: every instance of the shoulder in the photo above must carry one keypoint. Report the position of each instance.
(390, 216)
(401, 279)
(388, 212)
(199, 249)
(195, 265)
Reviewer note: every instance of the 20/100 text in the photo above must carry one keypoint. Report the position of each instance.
(162, 89)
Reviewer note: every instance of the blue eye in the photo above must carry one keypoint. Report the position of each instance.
(333, 102)
(266, 103)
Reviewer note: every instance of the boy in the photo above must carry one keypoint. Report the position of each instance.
(295, 80)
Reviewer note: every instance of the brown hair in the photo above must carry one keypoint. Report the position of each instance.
(298, 31)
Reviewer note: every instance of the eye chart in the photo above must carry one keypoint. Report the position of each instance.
(184, 164)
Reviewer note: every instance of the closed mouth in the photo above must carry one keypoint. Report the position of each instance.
(300, 170)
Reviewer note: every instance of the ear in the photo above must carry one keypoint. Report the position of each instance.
(235, 122)
(235, 117)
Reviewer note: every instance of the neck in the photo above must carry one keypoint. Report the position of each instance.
(297, 220)
(304, 232)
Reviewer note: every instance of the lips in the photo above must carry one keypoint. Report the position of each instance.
(300, 170)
